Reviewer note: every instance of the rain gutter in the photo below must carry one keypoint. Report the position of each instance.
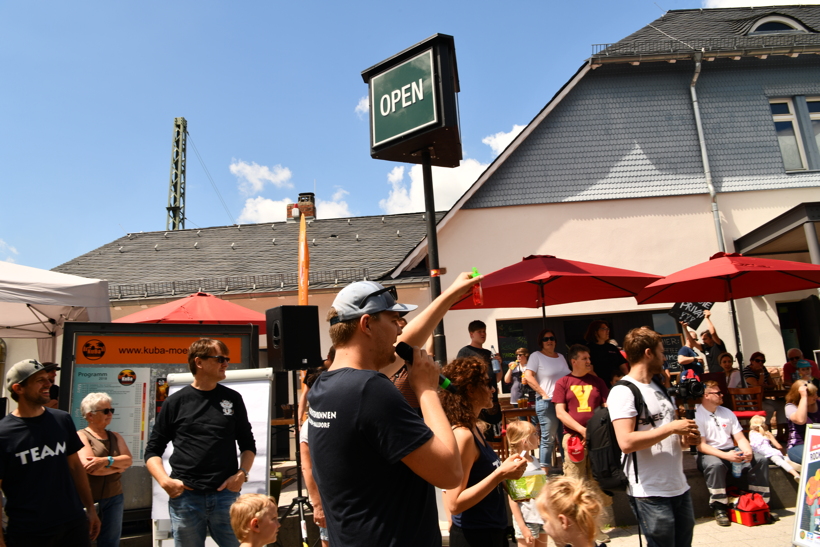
(707, 170)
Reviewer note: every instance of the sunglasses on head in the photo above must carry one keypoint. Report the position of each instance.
(221, 359)
(548, 339)
(391, 289)
(105, 411)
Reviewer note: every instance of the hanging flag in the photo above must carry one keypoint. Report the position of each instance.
(304, 262)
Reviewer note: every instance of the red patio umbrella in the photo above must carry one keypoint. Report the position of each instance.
(544, 280)
(728, 276)
(198, 308)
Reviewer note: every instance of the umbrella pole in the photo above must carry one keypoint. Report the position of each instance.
(543, 308)
(737, 338)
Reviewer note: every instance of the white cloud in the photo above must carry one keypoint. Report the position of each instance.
(332, 209)
(252, 176)
(448, 186)
(7, 252)
(753, 3)
(6, 248)
(501, 140)
(261, 209)
(363, 107)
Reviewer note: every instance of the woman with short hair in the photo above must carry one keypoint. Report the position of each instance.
(104, 456)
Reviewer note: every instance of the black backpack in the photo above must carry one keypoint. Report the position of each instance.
(605, 456)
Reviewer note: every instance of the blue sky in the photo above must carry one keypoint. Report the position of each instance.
(272, 94)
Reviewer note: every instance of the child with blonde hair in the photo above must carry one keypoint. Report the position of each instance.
(529, 526)
(570, 508)
(255, 520)
(762, 440)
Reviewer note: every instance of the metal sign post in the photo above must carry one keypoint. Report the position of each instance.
(414, 119)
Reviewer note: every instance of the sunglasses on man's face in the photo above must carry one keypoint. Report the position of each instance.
(794, 358)
(221, 359)
(105, 411)
(761, 361)
(548, 339)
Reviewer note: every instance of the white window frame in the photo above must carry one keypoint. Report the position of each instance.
(813, 116)
(791, 117)
(796, 27)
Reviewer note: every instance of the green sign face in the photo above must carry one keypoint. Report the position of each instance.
(402, 99)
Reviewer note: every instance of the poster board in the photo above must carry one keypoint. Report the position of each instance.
(806, 530)
(255, 387)
(672, 343)
(690, 312)
(104, 351)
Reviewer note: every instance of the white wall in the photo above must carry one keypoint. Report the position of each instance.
(655, 235)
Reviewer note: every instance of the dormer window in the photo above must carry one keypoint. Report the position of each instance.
(777, 24)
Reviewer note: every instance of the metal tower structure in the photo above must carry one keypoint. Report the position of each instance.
(175, 220)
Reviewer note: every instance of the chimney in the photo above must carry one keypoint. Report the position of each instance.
(306, 205)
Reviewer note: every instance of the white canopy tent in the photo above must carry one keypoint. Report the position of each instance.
(36, 303)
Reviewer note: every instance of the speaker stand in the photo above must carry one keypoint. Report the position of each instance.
(300, 502)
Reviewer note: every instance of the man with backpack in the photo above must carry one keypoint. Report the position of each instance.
(658, 491)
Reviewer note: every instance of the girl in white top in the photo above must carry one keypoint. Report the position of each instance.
(528, 524)
(544, 369)
(732, 374)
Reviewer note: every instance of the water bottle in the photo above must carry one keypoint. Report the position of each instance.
(495, 364)
(737, 467)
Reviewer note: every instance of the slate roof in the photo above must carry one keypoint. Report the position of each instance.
(245, 259)
(715, 30)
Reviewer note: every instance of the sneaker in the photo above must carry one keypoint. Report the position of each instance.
(721, 517)
(602, 538)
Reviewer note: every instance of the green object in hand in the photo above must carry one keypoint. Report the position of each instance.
(475, 272)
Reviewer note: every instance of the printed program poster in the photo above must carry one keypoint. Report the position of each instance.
(807, 524)
(128, 389)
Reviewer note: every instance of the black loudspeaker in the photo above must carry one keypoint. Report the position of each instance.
(293, 338)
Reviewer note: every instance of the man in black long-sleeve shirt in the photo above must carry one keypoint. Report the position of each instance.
(205, 421)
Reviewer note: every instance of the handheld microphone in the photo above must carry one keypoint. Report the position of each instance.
(405, 351)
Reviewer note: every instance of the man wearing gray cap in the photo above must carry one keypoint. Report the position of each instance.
(374, 459)
(40, 472)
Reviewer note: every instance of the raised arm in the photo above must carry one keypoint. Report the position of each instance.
(707, 314)
(421, 327)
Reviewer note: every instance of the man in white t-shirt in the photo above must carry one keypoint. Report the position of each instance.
(659, 494)
(720, 430)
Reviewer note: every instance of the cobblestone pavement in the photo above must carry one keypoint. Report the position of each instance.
(708, 533)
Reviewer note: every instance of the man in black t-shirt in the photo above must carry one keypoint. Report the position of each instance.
(41, 474)
(478, 335)
(375, 460)
(206, 421)
(712, 345)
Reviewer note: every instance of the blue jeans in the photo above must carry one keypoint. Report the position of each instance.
(111, 517)
(796, 454)
(194, 513)
(666, 522)
(545, 411)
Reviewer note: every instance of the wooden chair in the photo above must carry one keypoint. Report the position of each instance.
(746, 403)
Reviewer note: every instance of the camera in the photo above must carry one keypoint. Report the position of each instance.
(688, 388)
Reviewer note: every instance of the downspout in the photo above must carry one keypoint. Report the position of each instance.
(707, 171)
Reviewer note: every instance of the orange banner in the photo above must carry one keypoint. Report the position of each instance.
(101, 349)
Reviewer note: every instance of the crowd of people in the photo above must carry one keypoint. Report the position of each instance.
(373, 452)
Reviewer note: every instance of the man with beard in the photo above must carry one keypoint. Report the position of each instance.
(659, 494)
(41, 474)
(375, 460)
